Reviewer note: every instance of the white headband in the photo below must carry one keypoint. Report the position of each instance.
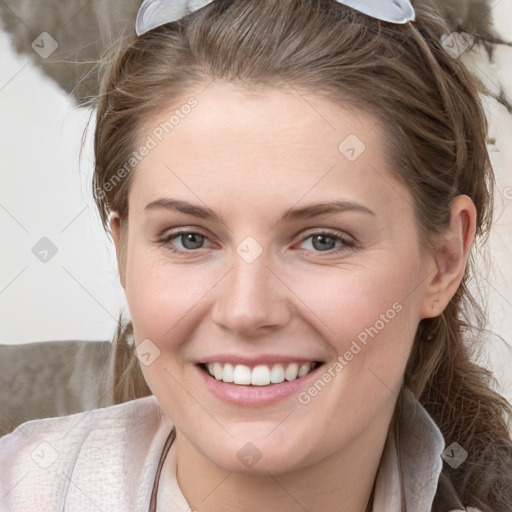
(154, 13)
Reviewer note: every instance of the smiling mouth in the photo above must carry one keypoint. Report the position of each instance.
(260, 375)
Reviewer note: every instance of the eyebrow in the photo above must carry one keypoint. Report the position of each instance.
(292, 214)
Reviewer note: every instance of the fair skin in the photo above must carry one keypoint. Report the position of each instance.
(251, 157)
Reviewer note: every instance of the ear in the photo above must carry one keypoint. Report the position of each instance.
(118, 231)
(450, 258)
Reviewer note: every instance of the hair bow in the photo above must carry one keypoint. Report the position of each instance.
(154, 13)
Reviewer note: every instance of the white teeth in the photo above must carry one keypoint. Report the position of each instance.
(228, 373)
(217, 371)
(242, 374)
(221, 372)
(304, 369)
(277, 374)
(291, 371)
(260, 375)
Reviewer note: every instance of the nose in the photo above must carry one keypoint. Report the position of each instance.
(252, 298)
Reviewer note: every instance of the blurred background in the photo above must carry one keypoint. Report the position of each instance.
(58, 274)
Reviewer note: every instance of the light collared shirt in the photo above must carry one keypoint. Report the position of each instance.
(106, 460)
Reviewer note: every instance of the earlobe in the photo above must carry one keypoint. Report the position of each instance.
(116, 229)
(450, 258)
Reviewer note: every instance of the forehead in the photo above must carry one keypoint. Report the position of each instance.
(283, 114)
(241, 145)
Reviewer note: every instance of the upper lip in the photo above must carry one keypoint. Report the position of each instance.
(254, 361)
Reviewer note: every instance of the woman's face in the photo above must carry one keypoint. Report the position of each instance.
(266, 275)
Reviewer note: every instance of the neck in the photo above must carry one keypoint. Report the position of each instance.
(341, 482)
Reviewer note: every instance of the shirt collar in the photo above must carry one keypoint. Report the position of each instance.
(408, 472)
(411, 461)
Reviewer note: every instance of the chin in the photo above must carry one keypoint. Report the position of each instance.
(257, 455)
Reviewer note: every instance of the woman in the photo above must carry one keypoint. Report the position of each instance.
(293, 189)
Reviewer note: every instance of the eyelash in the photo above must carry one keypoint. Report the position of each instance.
(347, 243)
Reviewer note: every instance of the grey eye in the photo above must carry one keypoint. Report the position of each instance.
(323, 242)
(191, 241)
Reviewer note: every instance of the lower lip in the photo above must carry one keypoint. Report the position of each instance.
(255, 396)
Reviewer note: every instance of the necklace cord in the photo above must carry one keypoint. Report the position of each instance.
(167, 446)
(165, 451)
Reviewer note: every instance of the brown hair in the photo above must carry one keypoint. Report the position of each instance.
(436, 139)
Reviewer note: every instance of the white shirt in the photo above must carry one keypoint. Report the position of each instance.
(106, 460)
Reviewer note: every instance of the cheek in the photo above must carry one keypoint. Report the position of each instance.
(369, 317)
(166, 305)
(368, 313)
(160, 295)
